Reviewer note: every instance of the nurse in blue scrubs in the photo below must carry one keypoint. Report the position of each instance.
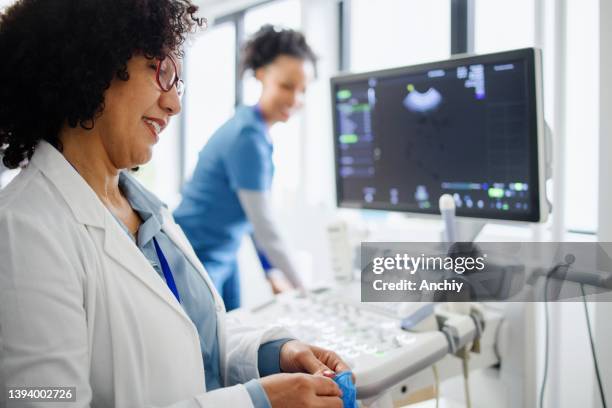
(229, 193)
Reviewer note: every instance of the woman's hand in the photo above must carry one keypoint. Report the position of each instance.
(301, 390)
(278, 283)
(296, 356)
(305, 390)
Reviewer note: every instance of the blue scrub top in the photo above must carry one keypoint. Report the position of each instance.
(238, 156)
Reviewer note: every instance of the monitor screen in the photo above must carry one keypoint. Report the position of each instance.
(468, 127)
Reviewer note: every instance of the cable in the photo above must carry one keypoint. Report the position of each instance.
(468, 400)
(569, 260)
(588, 321)
(546, 318)
(437, 384)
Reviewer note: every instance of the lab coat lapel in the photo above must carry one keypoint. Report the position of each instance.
(119, 247)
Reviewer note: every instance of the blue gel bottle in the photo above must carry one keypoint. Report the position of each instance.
(349, 392)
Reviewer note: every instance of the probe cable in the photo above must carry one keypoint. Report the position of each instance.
(588, 321)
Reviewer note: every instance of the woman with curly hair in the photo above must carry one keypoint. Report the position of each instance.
(99, 288)
(228, 195)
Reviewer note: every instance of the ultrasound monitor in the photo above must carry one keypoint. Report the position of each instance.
(471, 127)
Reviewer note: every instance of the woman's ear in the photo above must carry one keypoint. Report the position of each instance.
(259, 73)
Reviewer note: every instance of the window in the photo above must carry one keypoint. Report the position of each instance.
(582, 119)
(285, 13)
(390, 33)
(209, 97)
(503, 25)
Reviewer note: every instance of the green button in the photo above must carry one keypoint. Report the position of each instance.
(349, 139)
(496, 192)
(344, 94)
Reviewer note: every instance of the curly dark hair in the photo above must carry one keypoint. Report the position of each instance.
(60, 56)
(270, 42)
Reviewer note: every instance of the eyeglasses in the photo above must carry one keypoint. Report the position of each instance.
(167, 76)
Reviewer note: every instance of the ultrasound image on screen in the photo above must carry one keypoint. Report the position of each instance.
(404, 140)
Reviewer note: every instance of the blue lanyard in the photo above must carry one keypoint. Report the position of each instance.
(166, 270)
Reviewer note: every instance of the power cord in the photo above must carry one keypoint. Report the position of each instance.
(464, 354)
(466, 371)
(545, 374)
(569, 259)
(588, 321)
(437, 384)
(546, 318)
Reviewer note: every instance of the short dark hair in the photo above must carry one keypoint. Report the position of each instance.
(60, 56)
(270, 42)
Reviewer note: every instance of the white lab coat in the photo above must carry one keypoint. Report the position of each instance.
(81, 306)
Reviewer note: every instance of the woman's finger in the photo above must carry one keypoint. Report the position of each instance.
(326, 387)
(313, 365)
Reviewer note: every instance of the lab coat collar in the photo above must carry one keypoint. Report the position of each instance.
(79, 196)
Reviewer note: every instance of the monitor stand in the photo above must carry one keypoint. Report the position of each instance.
(466, 230)
(469, 229)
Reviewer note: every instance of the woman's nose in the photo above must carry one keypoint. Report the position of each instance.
(170, 101)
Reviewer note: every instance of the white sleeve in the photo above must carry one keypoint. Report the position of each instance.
(243, 342)
(258, 208)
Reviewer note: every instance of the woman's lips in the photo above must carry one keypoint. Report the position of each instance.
(152, 130)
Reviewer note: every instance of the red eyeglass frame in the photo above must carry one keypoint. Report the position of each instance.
(178, 82)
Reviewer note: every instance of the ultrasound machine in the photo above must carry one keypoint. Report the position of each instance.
(471, 127)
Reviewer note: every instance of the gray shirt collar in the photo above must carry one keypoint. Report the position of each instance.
(147, 206)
